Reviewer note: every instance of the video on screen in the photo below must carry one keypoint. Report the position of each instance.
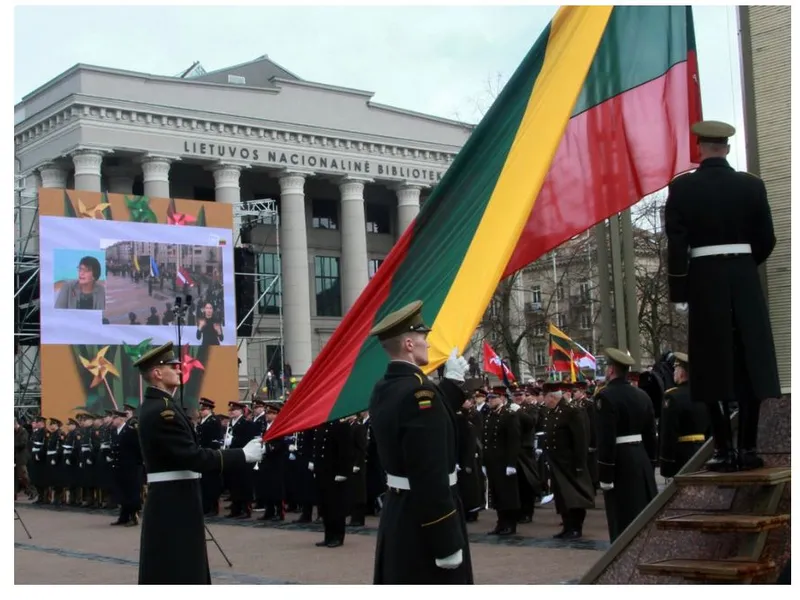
(143, 279)
(79, 279)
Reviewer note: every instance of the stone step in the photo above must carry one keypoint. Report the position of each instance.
(764, 476)
(712, 571)
(723, 523)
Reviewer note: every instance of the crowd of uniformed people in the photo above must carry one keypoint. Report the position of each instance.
(518, 446)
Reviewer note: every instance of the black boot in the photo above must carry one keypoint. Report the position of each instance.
(749, 460)
(727, 462)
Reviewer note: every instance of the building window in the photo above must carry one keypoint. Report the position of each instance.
(538, 330)
(378, 218)
(327, 286)
(560, 291)
(540, 356)
(586, 321)
(536, 294)
(585, 291)
(324, 214)
(267, 267)
(561, 321)
(373, 266)
(207, 194)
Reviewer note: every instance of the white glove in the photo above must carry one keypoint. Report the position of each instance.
(292, 456)
(108, 459)
(681, 307)
(311, 467)
(67, 462)
(228, 440)
(483, 470)
(513, 407)
(450, 562)
(510, 471)
(88, 461)
(606, 486)
(456, 366)
(340, 478)
(458, 468)
(292, 448)
(52, 462)
(253, 450)
(356, 469)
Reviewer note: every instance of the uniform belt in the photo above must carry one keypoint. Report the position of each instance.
(695, 437)
(629, 439)
(402, 483)
(172, 476)
(721, 249)
(105, 446)
(49, 452)
(67, 447)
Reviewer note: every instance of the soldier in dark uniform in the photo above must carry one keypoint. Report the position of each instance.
(52, 476)
(684, 423)
(422, 534)
(530, 481)
(101, 444)
(376, 476)
(299, 477)
(210, 436)
(240, 483)
(358, 481)
(125, 460)
(626, 436)
(719, 230)
(582, 399)
(83, 447)
(71, 455)
(501, 448)
(258, 425)
(470, 484)
(332, 466)
(173, 542)
(38, 460)
(566, 449)
(272, 469)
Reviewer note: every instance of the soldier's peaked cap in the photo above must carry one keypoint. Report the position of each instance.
(405, 320)
(207, 402)
(72, 421)
(715, 132)
(163, 355)
(55, 422)
(681, 358)
(619, 357)
(238, 405)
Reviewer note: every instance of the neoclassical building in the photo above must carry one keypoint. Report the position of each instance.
(347, 174)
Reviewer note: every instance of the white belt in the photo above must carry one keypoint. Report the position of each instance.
(105, 446)
(721, 249)
(172, 476)
(629, 439)
(402, 483)
(49, 452)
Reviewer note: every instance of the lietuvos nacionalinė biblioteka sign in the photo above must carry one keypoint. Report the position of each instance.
(319, 162)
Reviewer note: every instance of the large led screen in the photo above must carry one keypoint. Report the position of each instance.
(112, 267)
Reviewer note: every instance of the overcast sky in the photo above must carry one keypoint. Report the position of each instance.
(432, 60)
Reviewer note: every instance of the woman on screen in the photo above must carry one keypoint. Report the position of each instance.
(86, 292)
(208, 328)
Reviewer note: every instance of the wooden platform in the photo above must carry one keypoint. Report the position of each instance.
(723, 523)
(765, 476)
(718, 571)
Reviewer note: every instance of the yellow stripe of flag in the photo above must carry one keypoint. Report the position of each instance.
(574, 37)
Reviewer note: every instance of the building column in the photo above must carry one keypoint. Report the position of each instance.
(88, 170)
(296, 300)
(407, 206)
(227, 191)
(120, 180)
(155, 176)
(355, 273)
(53, 175)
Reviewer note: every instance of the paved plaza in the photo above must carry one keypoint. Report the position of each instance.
(78, 546)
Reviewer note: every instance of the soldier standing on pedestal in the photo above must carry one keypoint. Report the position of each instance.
(684, 422)
(719, 230)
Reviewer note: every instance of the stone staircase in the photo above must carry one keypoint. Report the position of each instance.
(709, 527)
(766, 487)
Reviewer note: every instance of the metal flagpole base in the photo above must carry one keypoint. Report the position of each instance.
(211, 538)
(21, 522)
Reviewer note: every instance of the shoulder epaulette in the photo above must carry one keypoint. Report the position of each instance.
(671, 390)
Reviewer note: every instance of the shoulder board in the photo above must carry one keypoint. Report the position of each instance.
(751, 175)
(423, 394)
(167, 414)
(670, 390)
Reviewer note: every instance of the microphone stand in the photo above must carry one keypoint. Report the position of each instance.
(179, 310)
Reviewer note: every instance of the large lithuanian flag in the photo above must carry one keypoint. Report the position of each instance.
(462, 242)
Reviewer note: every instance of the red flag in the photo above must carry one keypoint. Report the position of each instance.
(493, 364)
(183, 277)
